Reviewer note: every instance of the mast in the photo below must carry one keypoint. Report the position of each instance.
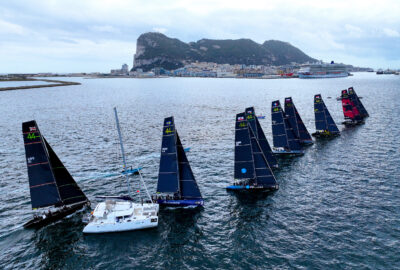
(122, 149)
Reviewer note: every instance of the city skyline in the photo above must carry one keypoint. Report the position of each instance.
(90, 36)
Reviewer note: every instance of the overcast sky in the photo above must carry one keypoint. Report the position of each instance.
(98, 35)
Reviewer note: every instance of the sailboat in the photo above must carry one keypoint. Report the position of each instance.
(284, 138)
(122, 213)
(356, 99)
(324, 124)
(176, 183)
(51, 185)
(351, 114)
(260, 136)
(252, 171)
(296, 122)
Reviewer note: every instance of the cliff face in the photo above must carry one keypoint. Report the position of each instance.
(158, 50)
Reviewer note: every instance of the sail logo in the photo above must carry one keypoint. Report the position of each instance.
(32, 136)
(240, 118)
(238, 143)
(30, 159)
(32, 129)
(168, 123)
(164, 149)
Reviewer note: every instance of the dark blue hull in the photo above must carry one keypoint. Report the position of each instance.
(180, 203)
(325, 134)
(252, 188)
(289, 153)
(306, 142)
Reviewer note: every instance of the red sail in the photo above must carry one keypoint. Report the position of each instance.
(350, 111)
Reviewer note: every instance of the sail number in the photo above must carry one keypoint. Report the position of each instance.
(32, 136)
(276, 109)
(168, 130)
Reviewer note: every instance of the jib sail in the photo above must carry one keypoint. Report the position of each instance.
(259, 133)
(295, 121)
(188, 184)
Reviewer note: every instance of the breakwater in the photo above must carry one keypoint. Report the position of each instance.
(50, 83)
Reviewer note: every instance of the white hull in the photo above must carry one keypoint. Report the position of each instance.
(121, 216)
(321, 76)
(121, 227)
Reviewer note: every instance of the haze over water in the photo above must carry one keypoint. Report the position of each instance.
(338, 206)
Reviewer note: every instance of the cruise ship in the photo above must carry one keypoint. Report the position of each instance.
(323, 70)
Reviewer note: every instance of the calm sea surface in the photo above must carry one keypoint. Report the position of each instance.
(338, 206)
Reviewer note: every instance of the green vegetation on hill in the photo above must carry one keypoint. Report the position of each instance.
(158, 50)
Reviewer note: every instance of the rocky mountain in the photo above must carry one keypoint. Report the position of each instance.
(158, 50)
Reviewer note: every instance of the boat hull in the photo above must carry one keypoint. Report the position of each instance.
(39, 222)
(325, 134)
(252, 188)
(180, 203)
(352, 123)
(288, 153)
(306, 142)
(323, 76)
(140, 224)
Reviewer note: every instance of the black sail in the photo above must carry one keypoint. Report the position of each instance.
(244, 164)
(259, 133)
(279, 135)
(353, 95)
(168, 176)
(188, 185)
(42, 183)
(319, 110)
(295, 120)
(323, 119)
(68, 189)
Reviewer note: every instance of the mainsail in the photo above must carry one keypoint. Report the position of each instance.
(295, 121)
(250, 161)
(283, 134)
(168, 176)
(323, 119)
(259, 133)
(49, 181)
(244, 164)
(175, 174)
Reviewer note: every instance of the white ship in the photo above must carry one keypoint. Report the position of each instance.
(115, 215)
(315, 71)
(121, 213)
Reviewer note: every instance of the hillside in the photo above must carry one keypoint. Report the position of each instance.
(158, 50)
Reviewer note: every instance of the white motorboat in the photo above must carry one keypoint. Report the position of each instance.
(122, 213)
(115, 215)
